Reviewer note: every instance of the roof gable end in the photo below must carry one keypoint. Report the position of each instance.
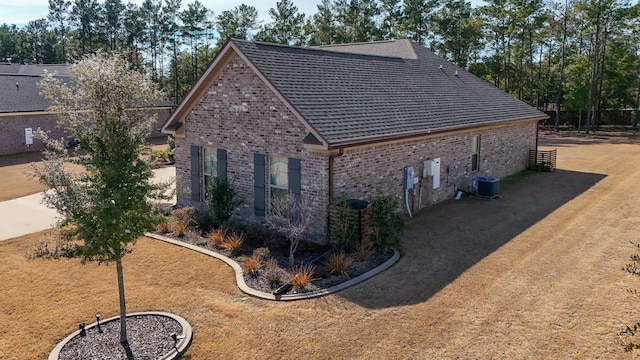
(206, 80)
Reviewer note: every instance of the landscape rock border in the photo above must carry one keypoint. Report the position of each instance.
(286, 297)
(181, 347)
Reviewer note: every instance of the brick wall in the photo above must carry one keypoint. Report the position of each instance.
(241, 114)
(366, 172)
(12, 139)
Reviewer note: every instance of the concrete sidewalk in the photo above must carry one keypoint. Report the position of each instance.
(28, 214)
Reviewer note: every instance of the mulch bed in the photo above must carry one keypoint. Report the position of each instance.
(307, 253)
(149, 339)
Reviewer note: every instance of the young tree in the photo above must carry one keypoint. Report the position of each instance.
(104, 209)
(291, 216)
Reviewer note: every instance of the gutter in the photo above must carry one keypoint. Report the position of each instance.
(404, 136)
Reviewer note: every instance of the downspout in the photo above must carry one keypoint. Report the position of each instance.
(331, 190)
(537, 134)
(331, 158)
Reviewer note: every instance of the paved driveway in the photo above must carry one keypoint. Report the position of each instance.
(27, 214)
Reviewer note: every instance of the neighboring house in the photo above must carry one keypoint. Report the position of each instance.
(348, 119)
(23, 110)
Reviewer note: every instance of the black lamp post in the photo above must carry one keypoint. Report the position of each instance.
(98, 320)
(83, 332)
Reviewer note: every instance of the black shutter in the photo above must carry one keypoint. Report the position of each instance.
(195, 172)
(295, 178)
(259, 193)
(222, 163)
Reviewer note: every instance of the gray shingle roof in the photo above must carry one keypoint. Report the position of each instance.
(390, 48)
(354, 97)
(26, 96)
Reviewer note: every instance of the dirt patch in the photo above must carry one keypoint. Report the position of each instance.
(535, 274)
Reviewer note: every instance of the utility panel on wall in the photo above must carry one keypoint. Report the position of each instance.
(28, 136)
(432, 168)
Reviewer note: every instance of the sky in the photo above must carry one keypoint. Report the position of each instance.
(20, 12)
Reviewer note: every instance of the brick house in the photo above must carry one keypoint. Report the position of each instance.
(348, 119)
(23, 110)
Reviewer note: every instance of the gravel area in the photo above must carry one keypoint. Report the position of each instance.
(149, 339)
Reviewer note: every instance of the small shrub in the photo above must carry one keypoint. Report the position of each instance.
(186, 215)
(387, 222)
(217, 236)
(274, 274)
(261, 253)
(222, 200)
(344, 230)
(201, 242)
(163, 227)
(159, 157)
(251, 265)
(232, 242)
(302, 275)
(179, 228)
(338, 263)
(364, 251)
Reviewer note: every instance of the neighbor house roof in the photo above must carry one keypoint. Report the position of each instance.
(18, 86)
(19, 92)
(357, 93)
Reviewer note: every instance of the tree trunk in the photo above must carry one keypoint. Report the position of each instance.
(559, 91)
(123, 311)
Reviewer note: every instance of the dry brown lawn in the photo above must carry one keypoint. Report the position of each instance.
(533, 275)
(14, 181)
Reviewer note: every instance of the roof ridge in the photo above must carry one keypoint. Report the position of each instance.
(362, 43)
(320, 49)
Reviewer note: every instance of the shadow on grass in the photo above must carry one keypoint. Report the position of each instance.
(442, 242)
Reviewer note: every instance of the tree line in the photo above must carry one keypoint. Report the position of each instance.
(574, 55)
